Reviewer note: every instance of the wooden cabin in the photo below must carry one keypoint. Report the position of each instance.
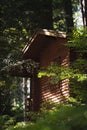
(44, 47)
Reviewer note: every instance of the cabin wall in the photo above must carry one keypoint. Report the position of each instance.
(58, 92)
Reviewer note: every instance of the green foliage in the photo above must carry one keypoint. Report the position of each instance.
(5, 105)
(64, 117)
(47, 105)
(79, 90)
(58, 15)
(78, 43)
(6, 121)
(11, 120)
(78, 40)
(2, 83)
(60, 73)
(19, 19)
(80, 64)
(32, 116)
(17, 113)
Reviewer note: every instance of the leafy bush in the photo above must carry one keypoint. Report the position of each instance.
(48, 105)
(79, 90)
(32, 116)
(18, 113)
(6, 121)
(15, 116)
(64, 117)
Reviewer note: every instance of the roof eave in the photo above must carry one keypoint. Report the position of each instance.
(43, 32)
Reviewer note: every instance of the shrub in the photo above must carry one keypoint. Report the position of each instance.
(32, 116)
(6, 121)
(64, 117)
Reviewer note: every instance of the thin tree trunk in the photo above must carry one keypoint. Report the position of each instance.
(84, 11)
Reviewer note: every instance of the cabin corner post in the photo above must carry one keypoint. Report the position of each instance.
(35, 91)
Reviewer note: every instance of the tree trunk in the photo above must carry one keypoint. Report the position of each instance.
(46, 16)
(68, 15)
(69, 21)
(84, 11)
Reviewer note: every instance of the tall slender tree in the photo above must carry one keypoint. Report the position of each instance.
(68, 15)
(84, 11)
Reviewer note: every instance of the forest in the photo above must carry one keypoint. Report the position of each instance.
(19, 20)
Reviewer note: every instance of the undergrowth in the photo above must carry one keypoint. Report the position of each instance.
(62, 117)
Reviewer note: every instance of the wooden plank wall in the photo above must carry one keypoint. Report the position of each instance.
(58, 92)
